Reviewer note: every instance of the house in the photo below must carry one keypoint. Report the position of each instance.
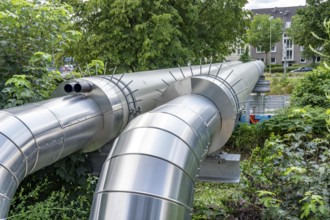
(284, 52)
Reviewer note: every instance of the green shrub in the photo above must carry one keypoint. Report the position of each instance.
(63, 190)
(55, 204)
(282, 85)
(289, 177)
(245, 138)
(280, 69)
(313, 89)
(286, 175)
(296, 120)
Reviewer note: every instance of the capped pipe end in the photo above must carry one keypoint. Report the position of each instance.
(78, 87)
(68, 88)
(82, 87)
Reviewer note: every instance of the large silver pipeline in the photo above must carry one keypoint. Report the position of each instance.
(151, 170)
(36, 135)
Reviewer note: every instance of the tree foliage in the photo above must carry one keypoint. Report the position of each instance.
(28, 27)
(245, 56)
(325, 52)
(259, 33)
(63, 190)
(36, 84)
(310, 20)
(313, 89)
(285, 176)
(141, 34)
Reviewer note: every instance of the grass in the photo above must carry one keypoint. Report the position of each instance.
(280, 85)
(211, 199)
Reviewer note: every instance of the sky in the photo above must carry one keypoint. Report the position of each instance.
(254, 4)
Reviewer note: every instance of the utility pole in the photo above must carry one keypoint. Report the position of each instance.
(284, 65)
(270, 44)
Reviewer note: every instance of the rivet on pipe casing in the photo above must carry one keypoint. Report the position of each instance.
(83, 87)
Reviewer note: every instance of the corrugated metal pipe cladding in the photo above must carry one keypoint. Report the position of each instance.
(97, 110)
(151, 170)
(36, 135)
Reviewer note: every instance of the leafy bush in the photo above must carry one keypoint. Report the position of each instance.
(296, 120)
(312, 89)
(245, 138)
(285, 176)
(57, 204)
(289, 177)
(63, 190)
(282, 85)
(36, 85)
(245, 57)
(207, 200)
(21, 38)
(280, 69)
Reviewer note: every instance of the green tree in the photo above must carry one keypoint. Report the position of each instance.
(312, 89)
(259, 33)
(141, 34)
(298, 35)
(37, 84)
(310, 20)
(245, 56)
(29, 26)
(325, 53)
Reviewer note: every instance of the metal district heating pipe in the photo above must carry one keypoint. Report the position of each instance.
(36, 135)
(151, 170)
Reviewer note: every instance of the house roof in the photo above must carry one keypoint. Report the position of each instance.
(285, 13)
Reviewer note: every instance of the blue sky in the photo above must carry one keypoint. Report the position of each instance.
(253, 4)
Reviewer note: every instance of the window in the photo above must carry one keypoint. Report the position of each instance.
(273, 60)
(258, 50)
(302, 48)
(289, 44)
(287, 24)
(240, 51)
(289, 54)
(262, 59)
(287, 48)
(302, 60)
(274, 48)
(318, 59)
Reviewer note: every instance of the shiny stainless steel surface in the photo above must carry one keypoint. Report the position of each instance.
(124, 96)
(228, 89)
(36, 135)
(156, 159)
(149, 85)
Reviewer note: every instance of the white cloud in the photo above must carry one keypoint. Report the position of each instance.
(253, 4)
